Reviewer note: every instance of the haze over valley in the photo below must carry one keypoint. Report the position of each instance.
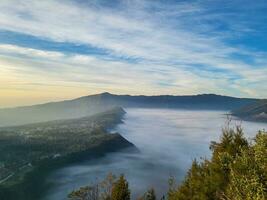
(152, 139)
(168, 140)
(133, 100)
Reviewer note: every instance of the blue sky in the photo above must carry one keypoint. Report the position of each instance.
(53, 50)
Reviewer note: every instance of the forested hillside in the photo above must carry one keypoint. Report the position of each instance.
(255, 112)
(29, 152)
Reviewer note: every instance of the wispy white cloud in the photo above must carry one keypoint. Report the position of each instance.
(117, 76)
(177, 50)
(12, 49)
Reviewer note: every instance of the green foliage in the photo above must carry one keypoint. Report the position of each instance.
(106, 187)
(120, 190)
(110, 188)
(149, 195)
(236, 171)
(248, 172)
(85, 193)
(26, 149)
(98, 191)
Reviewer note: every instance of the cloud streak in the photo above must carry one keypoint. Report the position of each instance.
(149, 47)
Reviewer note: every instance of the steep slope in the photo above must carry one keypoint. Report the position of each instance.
(33, 143)
(255, 112)
(52, 111)
(92, 104)
(29, 153)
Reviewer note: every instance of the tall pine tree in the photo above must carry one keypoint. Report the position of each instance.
(120, 190)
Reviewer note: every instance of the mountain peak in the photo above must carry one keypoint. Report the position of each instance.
(105, 94)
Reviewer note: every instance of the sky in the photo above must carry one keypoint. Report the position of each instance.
(53, 50)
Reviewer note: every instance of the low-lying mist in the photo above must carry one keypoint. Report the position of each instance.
(168, 141)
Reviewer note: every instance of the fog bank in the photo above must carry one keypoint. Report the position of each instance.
(168, 141)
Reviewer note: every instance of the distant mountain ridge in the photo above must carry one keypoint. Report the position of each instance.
(255, 112)
(92, 104)
(201, 101)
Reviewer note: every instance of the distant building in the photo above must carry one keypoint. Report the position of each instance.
(56, 155)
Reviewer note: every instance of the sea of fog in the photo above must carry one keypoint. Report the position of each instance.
(168, 141)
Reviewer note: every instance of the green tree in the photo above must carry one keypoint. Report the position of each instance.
(248, 173)
(106, 186)
(149, 195)
(98, 191)
(236, 171)
(85, 193)
(120, 190)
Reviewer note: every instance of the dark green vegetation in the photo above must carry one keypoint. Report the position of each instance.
(29, 152)
(254, 112)
(90, 105)
(236, 171)
(120, 190)
(99, 190)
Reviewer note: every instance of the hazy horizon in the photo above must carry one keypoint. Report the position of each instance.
(54, 50)
(73, 98)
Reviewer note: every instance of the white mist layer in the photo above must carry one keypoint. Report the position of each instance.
(168, 141)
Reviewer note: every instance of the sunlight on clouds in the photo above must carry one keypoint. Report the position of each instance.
(150, 48)
(4, 48)
(26, 76)
(78, 75)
